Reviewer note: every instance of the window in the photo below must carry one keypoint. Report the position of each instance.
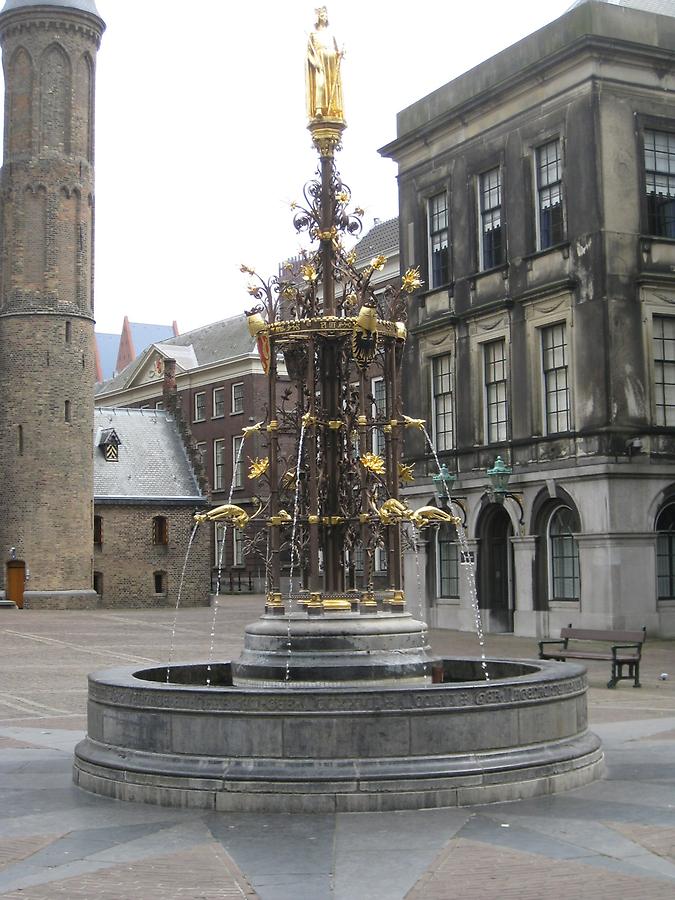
(219, 531)
(200, 406)
(201, 450)
(160, 530)
(98, 583)
(660, 183)
(495, 391)
(159, 405)
(219, 465)
(491, 238)
(549, 194)
(237, 398)
(159, 581)
(564, 581)
(69, 332)
(98, 530)
(379, 393)
(218, 402)
(380, 560)
(441, 388)
(238, 461)
(67, 414)
(665, 553)
(664, 369)
(237, 547)
(448, 562)
(556, 391)
(438, 239)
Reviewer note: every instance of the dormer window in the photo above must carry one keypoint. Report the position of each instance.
(109, 444)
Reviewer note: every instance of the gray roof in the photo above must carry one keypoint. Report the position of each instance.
(661, 7)
(153, 463)
(83, 5)
(222, 340)
(382, 238)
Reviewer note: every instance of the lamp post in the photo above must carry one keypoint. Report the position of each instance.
(498, 477)
(444, 483)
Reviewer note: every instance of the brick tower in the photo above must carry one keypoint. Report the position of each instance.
(46, 294)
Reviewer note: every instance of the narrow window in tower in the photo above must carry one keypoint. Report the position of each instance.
(69, 332)
(20, 440)
(66, 411)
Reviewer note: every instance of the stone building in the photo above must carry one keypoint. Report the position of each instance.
(538, 193)
(145, 495)
(46, 293)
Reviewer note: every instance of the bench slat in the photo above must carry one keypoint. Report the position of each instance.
(616, 637)
(571, 653)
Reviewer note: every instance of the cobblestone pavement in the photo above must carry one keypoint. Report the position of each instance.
(612, 838)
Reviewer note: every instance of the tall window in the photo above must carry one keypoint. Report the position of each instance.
(556, 391)
(159, 582)
(491, 236)
(565, 583)
(379, 410)
(442, 399)
(660, 183)
(219, 531)
(438, 239)
(238, 397)
(237, 461)
(160, 530)
(219, 465)
(200, 406)
(98, 530)
(496, 406)
(237, 547)
(448, 562)
(665, 553)
(549, 193)
(664, 369)
(218, 402)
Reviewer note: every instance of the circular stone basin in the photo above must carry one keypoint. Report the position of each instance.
(464, 741)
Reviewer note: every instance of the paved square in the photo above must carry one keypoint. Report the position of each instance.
(614, 837)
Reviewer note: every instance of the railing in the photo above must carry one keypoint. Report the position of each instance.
(232, 582)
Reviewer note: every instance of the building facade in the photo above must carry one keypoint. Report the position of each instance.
(46, 293)
(538, 193)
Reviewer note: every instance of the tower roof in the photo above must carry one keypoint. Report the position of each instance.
(82, 5)
(661, 7)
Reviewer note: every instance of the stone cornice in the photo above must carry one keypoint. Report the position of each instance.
(44, 18)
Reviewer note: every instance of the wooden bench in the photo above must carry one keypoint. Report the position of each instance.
(626, 650)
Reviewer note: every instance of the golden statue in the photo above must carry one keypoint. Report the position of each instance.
(324, 81)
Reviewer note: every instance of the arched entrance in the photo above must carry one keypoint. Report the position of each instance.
(495, 568)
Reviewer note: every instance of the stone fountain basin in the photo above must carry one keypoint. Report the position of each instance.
(222, 747)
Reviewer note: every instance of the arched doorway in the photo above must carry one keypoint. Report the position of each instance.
(495, 568)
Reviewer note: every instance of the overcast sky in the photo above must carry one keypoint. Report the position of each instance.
(201, 140)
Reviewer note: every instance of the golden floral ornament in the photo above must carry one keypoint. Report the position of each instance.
(253, 289)
(378, 263)
(308, 272)
(343, 197)
(373, 463)
(351, 257)
(411, 281)
(406, 473)
(247, 270)
(359, 211)
(258, 467)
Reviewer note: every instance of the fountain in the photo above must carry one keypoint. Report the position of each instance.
(335, 702)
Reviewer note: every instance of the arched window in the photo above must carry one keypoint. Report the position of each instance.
(563, 555)
(665, 552)
(448, 562)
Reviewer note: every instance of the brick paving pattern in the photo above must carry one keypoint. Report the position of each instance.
(13, 850)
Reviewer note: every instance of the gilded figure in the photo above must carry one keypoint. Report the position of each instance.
(324, 81)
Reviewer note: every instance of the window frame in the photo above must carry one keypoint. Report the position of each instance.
(546, 373)
(542, 188)
(485, 264)
(488, 403)
(440, 595)
(199, 405)
(160, 531)
(219, 464)
(665, 536)
(218, 401)
(438, 277)
(660, 385)
(238, 555)
(236, 399)
(652, 229)
(238, 471)
(551, 558)
(444, 444)
(160, 577)
(378, 442)
(98, 531)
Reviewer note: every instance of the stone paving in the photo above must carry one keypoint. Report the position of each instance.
(612, 838)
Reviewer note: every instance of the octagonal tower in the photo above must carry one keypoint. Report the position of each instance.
(46, 293)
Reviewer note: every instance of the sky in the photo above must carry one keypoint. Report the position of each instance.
(201, 140)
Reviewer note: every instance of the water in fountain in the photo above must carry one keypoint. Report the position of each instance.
(469, 565)
(178, 599)
(421, 611)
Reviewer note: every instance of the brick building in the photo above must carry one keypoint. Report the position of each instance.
(538, 192)
(145, 495)
(46, 294)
